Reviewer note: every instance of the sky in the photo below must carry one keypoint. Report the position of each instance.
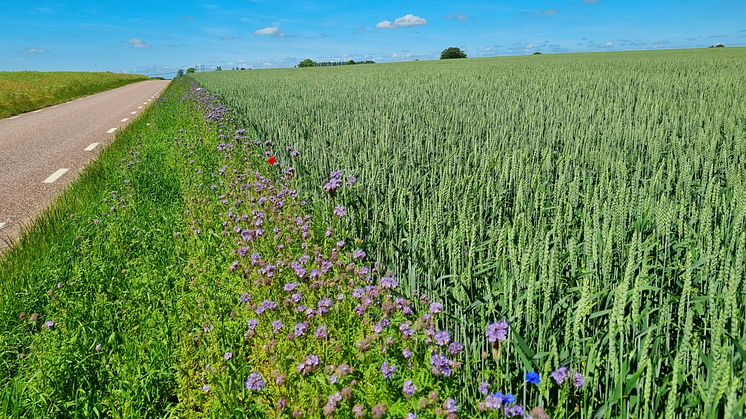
(157, 38)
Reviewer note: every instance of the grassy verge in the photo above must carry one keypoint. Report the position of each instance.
(24, 91)
(88, 295)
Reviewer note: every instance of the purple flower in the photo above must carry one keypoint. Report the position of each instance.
(358, 411)
(455, 348)
(389, 283)
(320, 332)
(255, 382)
(409, 388)
(339, 211)
(245, 298)
(410, 415)
(309, 364)
(578, 380)
(358, 254)
(350, 180)
(49, 324)
(290, 286)
(533, 377)
(387, 369)
(442, 338)
(516, 411)
(494, 401)
(450, 406)
(228, 355)
(484, 387)
(296, 297)
(300, 328)
(252, 324)
(508, 398)
(315, 274)
(277, 325)
(407, 353)
(497, 332)
(98, 347)
(206, 388)
(340, 243)
(560, 375)
(436, 307)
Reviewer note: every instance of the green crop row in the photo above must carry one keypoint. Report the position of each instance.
(595, 201)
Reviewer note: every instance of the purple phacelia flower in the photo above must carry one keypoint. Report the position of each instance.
(49, 324)
(409, 388)
(561, 375)
(407, 353)
(315, 274)
(206, 388)
(442, 338)
(255, 382)
(277, 325)
(228, 356)
(350, 180)
(389, 283)
(450, 405)
(252, 324)
(578, 380)
(339, 211)
(341, 244)
(497, 332)
(290, 286)
(388, 370)
(484, 387)
(494, 401)
(321, 332)
(516, 411)
(300, 328)
(455, 348)
(358, 254)
(436, 307)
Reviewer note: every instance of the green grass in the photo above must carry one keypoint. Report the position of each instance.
(24, 91)
(116, 288)
(594, 200)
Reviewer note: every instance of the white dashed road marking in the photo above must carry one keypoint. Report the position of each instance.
(54, 176)
(124, 120)
(37, 111)
(132, 113)
(2, 224)
(139, 107)
(91, 147)
(14, 117)
(55, 106)
(111, 130)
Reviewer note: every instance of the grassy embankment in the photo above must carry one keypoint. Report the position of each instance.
(24, 91)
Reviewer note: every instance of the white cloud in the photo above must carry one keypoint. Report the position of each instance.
(546, 12)
(270, 30)
(34, 51)
(529, 46)
(486, 49)
(406, 20)
(136, 43)
(718, 36)
(459, 16)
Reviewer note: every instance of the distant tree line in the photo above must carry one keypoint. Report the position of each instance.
(311, 63)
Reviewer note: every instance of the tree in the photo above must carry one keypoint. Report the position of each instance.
(190, 70)
(307, 63)
(537, 53)
(219, 68)
(351, 62)
(452, 52)
(180, 73)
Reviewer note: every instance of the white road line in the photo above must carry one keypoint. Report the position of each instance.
(37, 111)
(124, 120)
(55, 106)
(91, 147)
(2, 224)
(80, 99)
(56, 175)
(14, 117)
(139, 107)
(132, 113)
(111, 130)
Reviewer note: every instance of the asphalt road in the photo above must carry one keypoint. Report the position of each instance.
(42, 151)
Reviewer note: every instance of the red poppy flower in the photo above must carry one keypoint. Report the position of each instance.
(271, 160)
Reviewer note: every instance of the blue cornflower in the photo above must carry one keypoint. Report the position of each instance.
(533, 377)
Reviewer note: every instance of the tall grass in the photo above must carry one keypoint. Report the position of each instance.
(596, 201)
(23, 91)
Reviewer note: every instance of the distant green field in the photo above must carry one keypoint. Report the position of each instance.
(595, 201)
(23, 91)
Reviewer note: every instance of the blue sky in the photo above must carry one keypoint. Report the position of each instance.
(159, 37)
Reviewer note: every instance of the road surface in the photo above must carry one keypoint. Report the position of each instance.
(42, 151)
